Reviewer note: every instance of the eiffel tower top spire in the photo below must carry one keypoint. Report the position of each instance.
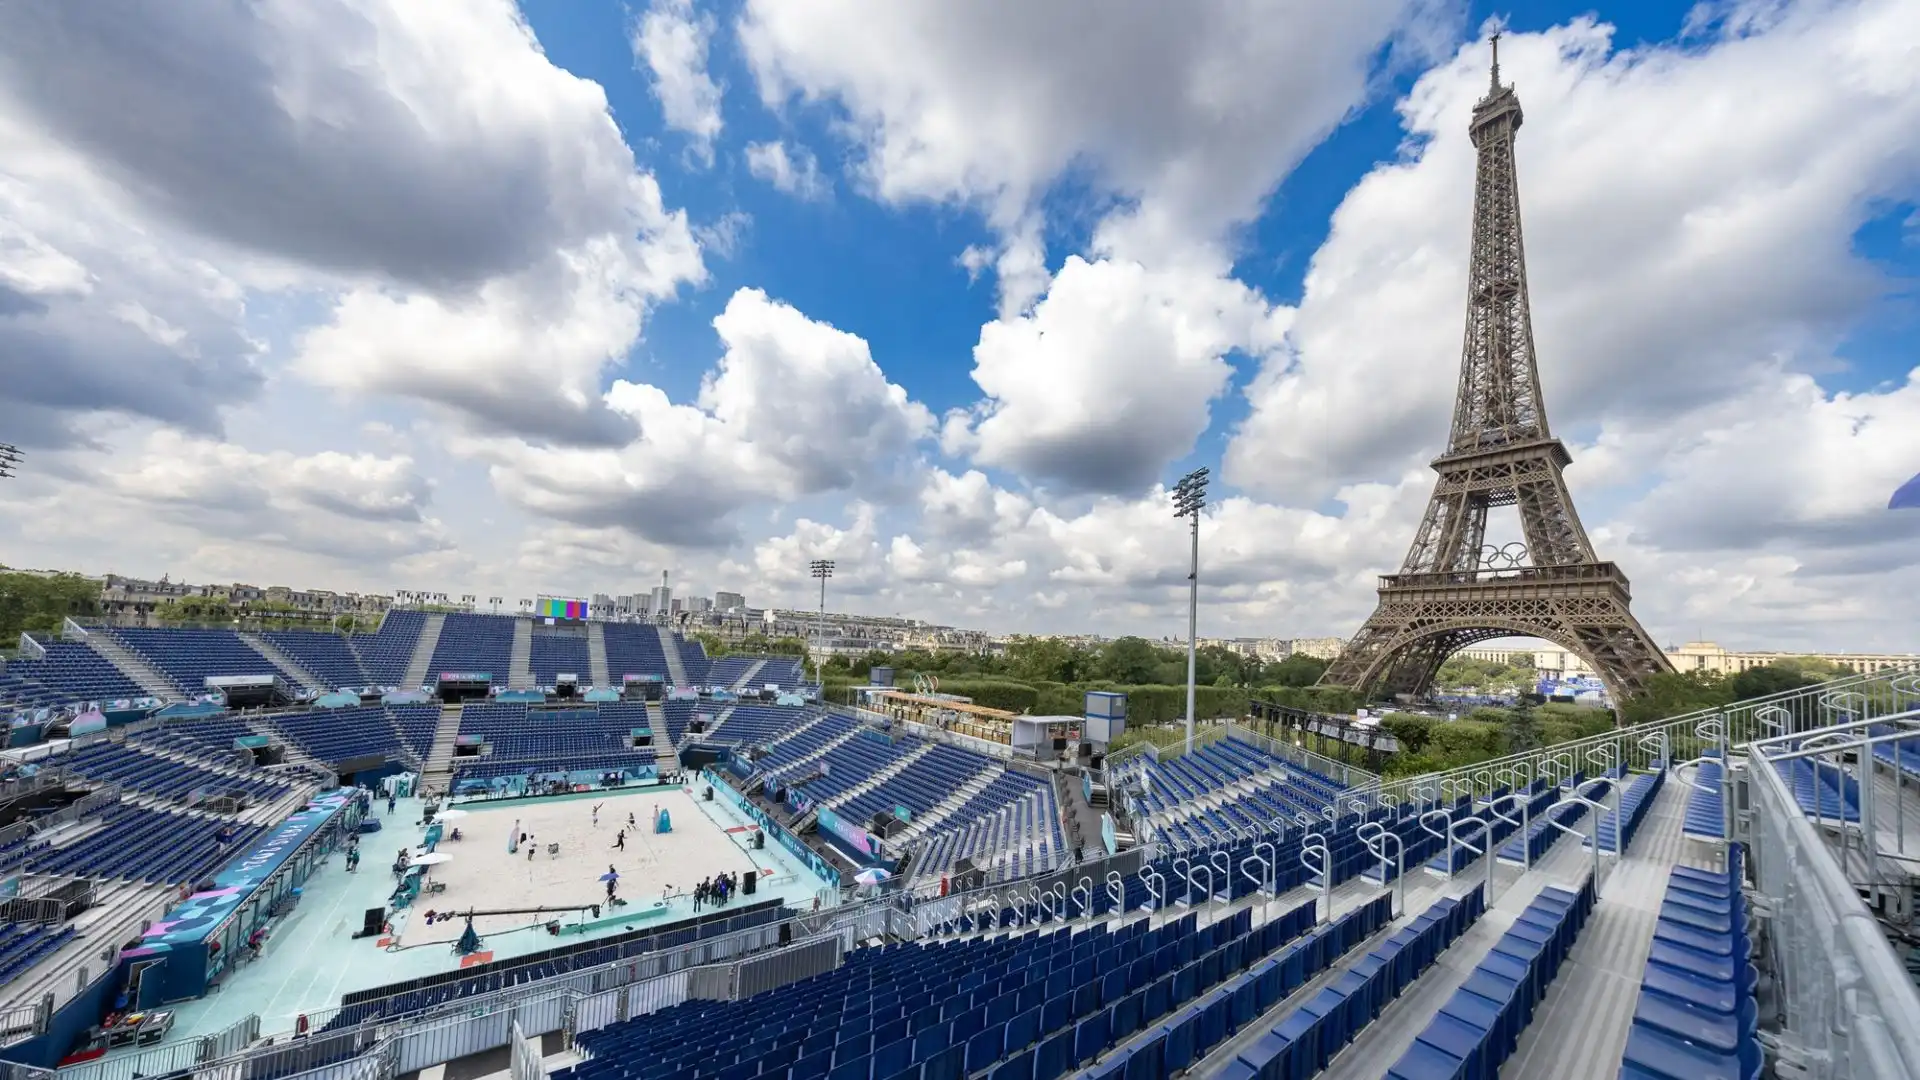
(1453, 589)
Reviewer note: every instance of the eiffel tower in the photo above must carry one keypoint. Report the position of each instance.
(1454, 590)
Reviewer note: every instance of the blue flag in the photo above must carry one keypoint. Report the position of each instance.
(1908, 497)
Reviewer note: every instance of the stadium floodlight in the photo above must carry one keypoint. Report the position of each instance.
(1189, 498)
(9, 460)
(494, 602)
(821, 569)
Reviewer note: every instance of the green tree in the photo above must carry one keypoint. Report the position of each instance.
(37, 603)
(1296, 670)
(1131, 660)
(1672, 694)
(1770, 679)
(1523, 726)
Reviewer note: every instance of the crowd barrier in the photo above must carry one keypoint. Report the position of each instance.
(793, 844)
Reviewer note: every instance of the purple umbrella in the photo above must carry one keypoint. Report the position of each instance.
(1908, 497)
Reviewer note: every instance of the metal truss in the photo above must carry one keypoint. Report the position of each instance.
(1453, 590)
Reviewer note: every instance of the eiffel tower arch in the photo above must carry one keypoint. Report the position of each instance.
(1453, 589)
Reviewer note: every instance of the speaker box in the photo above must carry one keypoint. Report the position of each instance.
(759, 843)
(709, 795)
(749, 883)
(1099, 762)
(786, 933)
(372, 921)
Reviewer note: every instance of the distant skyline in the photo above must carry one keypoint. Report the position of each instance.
(511, 299)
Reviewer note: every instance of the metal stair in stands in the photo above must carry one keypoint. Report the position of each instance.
(416, 675)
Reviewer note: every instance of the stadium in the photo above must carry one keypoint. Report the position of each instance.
(466, 846)
(915, 893)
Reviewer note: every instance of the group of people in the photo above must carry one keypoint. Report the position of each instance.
(715, 890)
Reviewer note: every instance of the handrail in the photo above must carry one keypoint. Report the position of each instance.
(1316, 844)
(1148, 876)
(1117, 890)
(1657, 739)
(1600, 811)
(1225, 866)
(1525, 802)
(1486, 831)
(1376, 843)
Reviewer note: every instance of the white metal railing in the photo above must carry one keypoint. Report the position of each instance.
(1880, 693)
(1339, 771)
(1846, 1006)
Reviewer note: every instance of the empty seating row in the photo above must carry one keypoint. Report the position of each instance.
(1480, 1025)
(729, 670)
(946, 1010)
(1617, 829)
(1546, 826)
(1304, 1041)
(922, 785)
(1706, 802)
(752, 725)
(188, 658)
(478, 644)
(1697, 1012)
(127, 765)
(557, 654)
(633, 649)
(23, 945)
(158, 846)
(337, 735)
(70, 672)
(327, 657)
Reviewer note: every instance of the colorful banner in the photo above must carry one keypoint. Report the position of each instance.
(87, 723)
(855, 836)
(202, 912)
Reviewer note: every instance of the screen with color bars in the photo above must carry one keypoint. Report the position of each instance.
(552, 607)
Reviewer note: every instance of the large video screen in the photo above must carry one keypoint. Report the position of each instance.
(560, 609)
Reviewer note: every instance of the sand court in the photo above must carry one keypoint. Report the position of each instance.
(482, 875)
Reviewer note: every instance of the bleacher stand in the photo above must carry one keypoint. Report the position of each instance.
(163, 777)
(70, 672)
(478, 643)
(188, 657)
(385, 653)
(633, 649)
(730, 669)
(26, 944)
(336, 735)
(1697, 1012)
(327, 656)
(134, 843)
(556, 654)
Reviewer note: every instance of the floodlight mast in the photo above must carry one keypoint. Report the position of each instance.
(1189, 498)
(821, 569)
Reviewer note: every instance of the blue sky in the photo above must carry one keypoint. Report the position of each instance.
(1228, 235)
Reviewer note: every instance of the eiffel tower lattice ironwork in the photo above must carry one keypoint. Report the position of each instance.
(1454, 590)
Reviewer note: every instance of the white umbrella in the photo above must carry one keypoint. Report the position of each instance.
(873, 875)
(451, 815)
(432, 858)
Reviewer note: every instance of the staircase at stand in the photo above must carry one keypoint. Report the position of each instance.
(520, 665)
(597, 656)
(806, 765)
(145, 675)
(777, 740)
(666, 757)
(416, 675)
(746, 678)
(438, 771)
(670, 645)
(285, 662)
(715, 726)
